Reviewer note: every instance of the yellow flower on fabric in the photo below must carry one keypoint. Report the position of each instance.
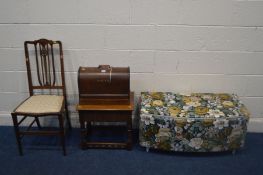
(208, 122)
(201, 110)
(228, 104)
(224, 97)
(181, 122)
(196, 94)
(195, 99)
(163, 134)
(157, 95)
(157, 103)
(192, 101)
(174, 111)
(186, 99)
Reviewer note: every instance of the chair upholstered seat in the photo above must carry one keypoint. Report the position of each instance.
(41, 104)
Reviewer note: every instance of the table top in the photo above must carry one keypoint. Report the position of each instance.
(121, 107)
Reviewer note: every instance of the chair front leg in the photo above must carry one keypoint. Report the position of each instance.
(18, 138)
(62, 133)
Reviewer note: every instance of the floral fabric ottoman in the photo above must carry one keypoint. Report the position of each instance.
(200, 122)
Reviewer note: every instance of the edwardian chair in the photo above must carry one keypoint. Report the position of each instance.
(46, 82)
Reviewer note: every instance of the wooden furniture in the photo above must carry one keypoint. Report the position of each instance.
(47, 90)
(104, 85)
(104, 96)
(105, 113)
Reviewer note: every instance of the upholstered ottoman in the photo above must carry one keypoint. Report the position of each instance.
(192, 123)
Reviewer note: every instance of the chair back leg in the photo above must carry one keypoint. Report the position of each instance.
(38, 123)
(67, 117)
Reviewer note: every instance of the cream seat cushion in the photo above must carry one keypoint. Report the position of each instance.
(39, 104)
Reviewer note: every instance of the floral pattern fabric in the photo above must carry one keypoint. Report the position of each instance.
(199, 122)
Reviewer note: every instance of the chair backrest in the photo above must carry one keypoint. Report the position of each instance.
(45, 65)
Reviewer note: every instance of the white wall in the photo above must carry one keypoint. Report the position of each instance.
(178, 45)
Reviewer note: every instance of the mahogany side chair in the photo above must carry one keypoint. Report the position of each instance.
(47, 90)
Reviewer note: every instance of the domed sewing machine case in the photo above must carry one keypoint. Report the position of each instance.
(104, 85)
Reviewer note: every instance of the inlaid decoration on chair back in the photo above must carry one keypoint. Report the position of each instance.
(45, 67)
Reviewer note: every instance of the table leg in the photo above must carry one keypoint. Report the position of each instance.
(129, 131)
(83, 132)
